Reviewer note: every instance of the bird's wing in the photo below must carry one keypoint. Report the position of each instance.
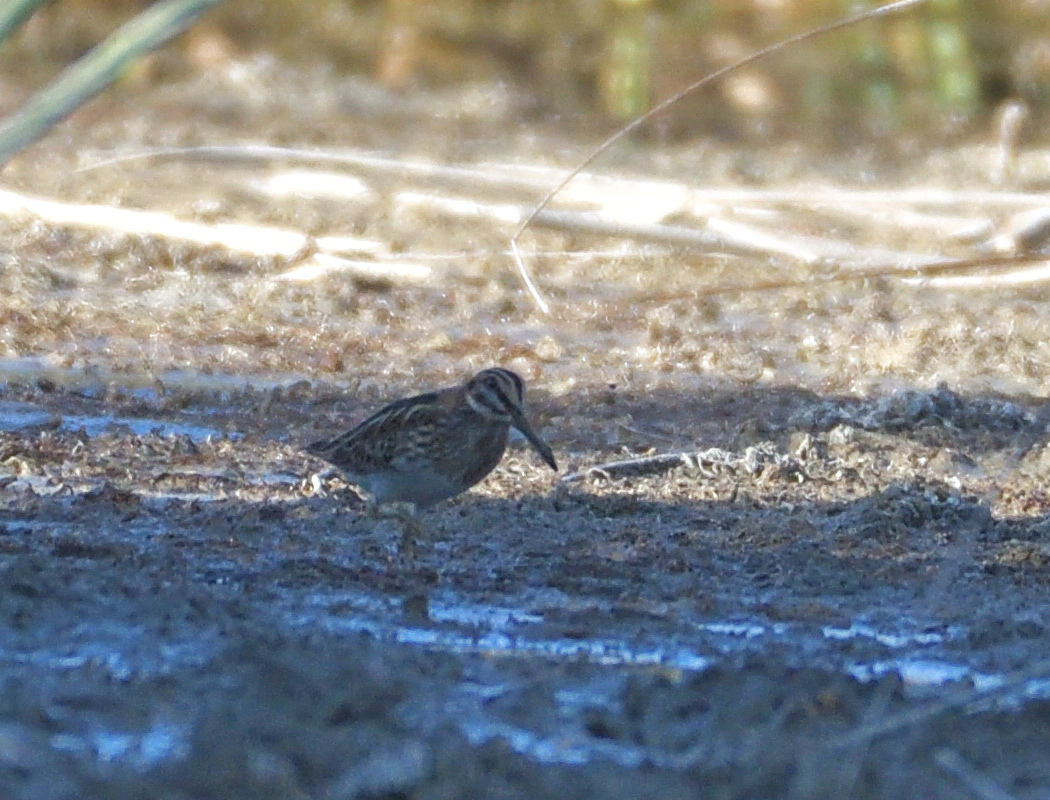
(379, 441)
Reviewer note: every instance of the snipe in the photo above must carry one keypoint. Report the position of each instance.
(430, 447)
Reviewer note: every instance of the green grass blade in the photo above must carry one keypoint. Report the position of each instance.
(13, 12)
(95, 71)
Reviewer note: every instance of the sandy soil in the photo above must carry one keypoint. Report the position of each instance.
(839, 590)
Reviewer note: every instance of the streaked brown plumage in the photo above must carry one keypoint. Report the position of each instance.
(433, 446)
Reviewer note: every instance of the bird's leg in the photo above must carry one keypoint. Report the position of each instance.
(411, 528)
(371, 509)
(405, 515)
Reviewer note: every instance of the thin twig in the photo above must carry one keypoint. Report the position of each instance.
(662, 462)
(952, 701)
(663, 105)
(1040, 273)
(939, 274)
(980, 786)
(256, 239)
(386, 271)
(594, 188)
(723, 235)
(502, 176)
(646, 465)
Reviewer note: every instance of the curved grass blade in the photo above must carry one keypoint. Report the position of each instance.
(95, 71)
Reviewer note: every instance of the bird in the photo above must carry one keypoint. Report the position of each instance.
(427, 448)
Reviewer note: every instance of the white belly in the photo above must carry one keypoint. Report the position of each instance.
(421, 488)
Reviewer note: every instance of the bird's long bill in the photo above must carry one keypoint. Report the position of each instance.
(541, 446)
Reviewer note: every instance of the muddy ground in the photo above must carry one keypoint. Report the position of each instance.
(840, 590)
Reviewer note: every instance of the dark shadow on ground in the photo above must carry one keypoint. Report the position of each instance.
(185, 616)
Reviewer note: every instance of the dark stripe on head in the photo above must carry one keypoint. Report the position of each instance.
(509, 382)
(496, 392)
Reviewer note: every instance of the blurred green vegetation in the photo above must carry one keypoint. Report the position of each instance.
(945, 66)
(100, 67)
